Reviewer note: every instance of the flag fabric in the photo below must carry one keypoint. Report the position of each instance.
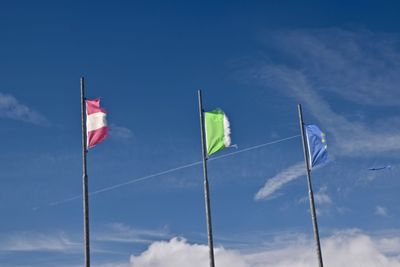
(217, 131)
(96, 123)
(317, 147)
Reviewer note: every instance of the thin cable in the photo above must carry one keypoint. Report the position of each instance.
(253, 147)
(105, 189)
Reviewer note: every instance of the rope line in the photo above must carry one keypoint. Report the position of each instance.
(109, 188)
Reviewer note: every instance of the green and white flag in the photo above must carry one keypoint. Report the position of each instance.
(217, 131)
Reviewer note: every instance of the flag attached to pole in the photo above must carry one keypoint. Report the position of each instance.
(96, 123)
(217, 131)
(317, 147)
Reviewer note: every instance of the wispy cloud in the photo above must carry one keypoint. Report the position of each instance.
(120, 132)
(38, 242)
(381, 211)
(341, 62)
(119, 232)
(322, 197)
(361, 66)
(349, 137)
(358, 68)
(323, 202)
(275, 183)
(11, 108)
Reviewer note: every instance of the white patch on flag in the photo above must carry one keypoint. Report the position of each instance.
(96, 121)
(308, 148)
(227, 132)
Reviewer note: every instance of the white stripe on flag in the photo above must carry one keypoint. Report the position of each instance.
(96, 121)
(227, 132)
(309, 151)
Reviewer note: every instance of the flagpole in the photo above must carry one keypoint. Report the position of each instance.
(310, 190)
(85, 178)
(206, 190)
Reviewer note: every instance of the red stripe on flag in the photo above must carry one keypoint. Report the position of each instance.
(93, 106)
(96, 136)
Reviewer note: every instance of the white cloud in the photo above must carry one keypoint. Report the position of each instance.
(322, 197)
(11, 108)
(275, 183)
(177, 252)
(119, 232)
(113, 264)
(38, 242)
(360, 66)
(389, 245)
(323, 202)
(120, 132)
(343, 210)
(381, 211)
(349, 137)
(96, 264)
(345, 249)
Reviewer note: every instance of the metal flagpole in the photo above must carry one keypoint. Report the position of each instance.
(85, 179)
(206, 190)
(310, 190)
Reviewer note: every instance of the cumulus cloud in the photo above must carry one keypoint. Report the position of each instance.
(113, 264)
(345, 249)
(178, 252)
(275, 183)
(11, 108)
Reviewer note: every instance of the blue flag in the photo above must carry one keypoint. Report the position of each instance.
(317, 147)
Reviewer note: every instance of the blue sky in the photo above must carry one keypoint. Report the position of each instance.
(146, 60)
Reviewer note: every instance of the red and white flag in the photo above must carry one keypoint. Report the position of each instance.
(96, 123)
